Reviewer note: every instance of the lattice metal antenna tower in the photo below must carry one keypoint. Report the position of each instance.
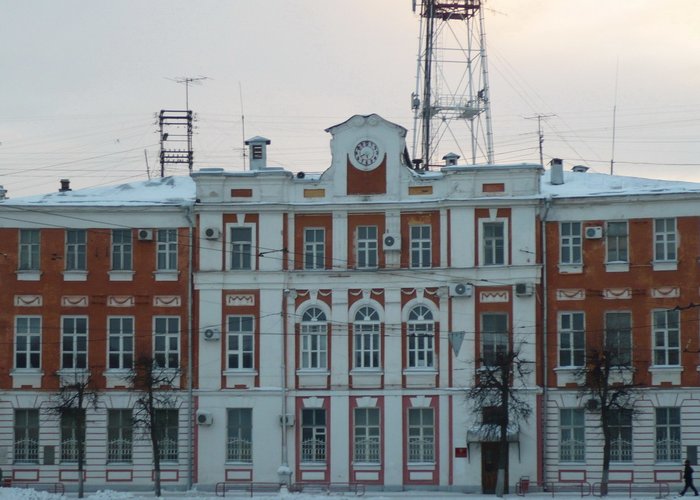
(451, 103)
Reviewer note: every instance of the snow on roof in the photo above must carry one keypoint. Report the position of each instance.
(579, 184)
(165, 191)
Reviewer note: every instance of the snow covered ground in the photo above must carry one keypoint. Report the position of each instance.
(26, 494)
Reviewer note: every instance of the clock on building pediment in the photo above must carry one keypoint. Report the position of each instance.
(366, 155)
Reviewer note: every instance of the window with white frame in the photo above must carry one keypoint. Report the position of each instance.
(618, 337)
(239, 444)
(570, 242)
(166, 250)
(240, 342)
(420, 329)
(572, 445)
(121, 250)
(367, 435)
(314, 248)
(166, 341)
(421, 435)
(120, 331)
(421, 246)
(241, 247)
(620, 426)
(668, 435)
(72, 434)
(667, 337)
(120, 436)
(28, 342)
(367, 246)
(74, 338)
(494, 337)
(313, 435)
(26, 444)
(493, 243)
(166, 427)
(571, 339)
(29, 249)
(616, 241)
(314, 339)
(366, 328)
(665, 240)
(76, 249)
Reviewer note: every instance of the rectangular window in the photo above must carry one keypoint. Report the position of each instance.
(665, 240)
(314, 248)
(121, 342)
(29, 249)
(571, 339)
(620, 425)
(121, 249)
(668, 435)
(166, 339)
(421, 435)
(313, 435)
(72, 434)
(28, 342)
(367, 247)
(76, 249)
(166, 427)
(239, 447)
(26, 446)
(421, 243)
(494, 337)
(570, 242)
(166, 250)
(572, 447)
(367, 435)
(667, 336)
(119, 436)
(239, 342)
(74, 337)
(618, 337)
(494, 242)
(616, 239)
(242, 247)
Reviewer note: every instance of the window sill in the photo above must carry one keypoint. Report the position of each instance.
(240, 379)
(313, 379)
(665, 265)
(617, 267)
(121, 275)
(366, 377)
(26, 377)
(166, 275)
(117, 378)
(34, 275)
(570, 268)
(75, 275)
(417, 377)
(665, 374)
(568, 375)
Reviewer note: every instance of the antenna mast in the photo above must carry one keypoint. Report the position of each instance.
(451, 100)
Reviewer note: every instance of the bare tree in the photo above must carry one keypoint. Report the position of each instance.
(608, 388)
(497, 389)
(77, 392)
(154, 407)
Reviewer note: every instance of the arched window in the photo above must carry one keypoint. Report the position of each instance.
(421, 330)
(314, 339)
(366, 327)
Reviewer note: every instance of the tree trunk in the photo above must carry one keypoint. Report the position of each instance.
(606, 461)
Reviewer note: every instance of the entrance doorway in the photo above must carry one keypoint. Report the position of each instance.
(489, 467)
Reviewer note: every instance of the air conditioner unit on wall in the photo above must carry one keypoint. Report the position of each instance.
(212, 233)
(392, 241)
(461, 290)
(287, 420)
(594, 232)
(146, 234)
(523, 289)
(204, 417)
(592, 404)
(211, 334)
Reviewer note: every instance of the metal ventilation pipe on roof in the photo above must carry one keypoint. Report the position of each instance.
(557, 171)
(65, 186)
(450, 159)
(581, 169)
(3, 192)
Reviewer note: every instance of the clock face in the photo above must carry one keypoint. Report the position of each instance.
(366, 154)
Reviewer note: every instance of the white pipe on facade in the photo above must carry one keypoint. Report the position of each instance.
(543, 236)
(190, 393)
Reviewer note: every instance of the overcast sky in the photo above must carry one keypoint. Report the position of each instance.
(82, 81)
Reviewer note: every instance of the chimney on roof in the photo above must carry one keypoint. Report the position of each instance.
(3, 193)
(581, 169)
(556, 174)
(65, 186)
(450, 159)
(257, 152)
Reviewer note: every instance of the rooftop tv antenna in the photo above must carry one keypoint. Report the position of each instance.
(451, 104)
